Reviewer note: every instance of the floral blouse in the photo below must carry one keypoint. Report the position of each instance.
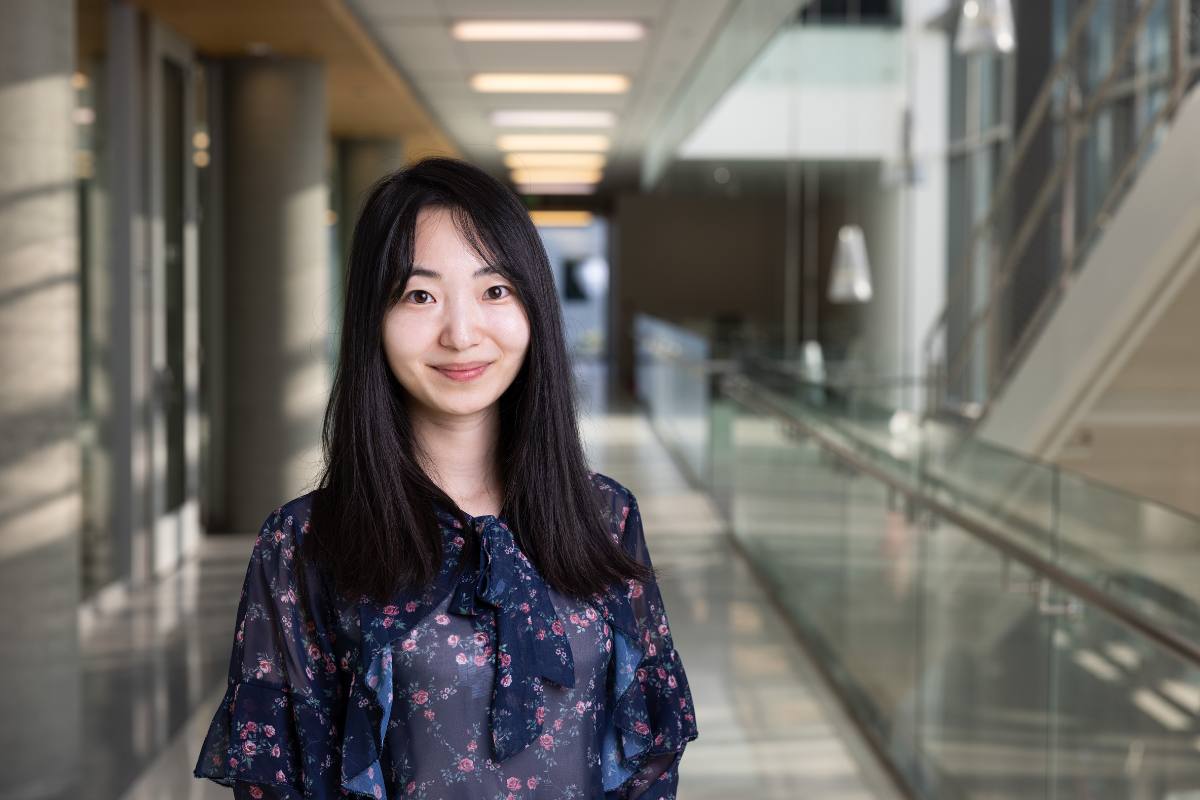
(486, 684)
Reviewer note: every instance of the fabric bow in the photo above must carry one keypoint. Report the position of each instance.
(530, 640)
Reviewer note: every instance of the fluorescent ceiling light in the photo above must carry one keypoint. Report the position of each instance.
(556, 176)
(556, 188)
(560, 160)
(561, 219)
(572, 142)
(551, 82)
(548, 30)
(554, 119)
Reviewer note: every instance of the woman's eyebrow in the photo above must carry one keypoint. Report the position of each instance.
(430, 273)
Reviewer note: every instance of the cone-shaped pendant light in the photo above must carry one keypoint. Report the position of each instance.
(851, 281)
(985, 26)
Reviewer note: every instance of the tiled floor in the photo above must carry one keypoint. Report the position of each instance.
(768, 728)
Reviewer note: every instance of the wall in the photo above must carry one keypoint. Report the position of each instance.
(684, 258)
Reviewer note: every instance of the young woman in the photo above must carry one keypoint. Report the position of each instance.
(461, 609)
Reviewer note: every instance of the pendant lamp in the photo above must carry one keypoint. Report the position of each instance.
(985, 26)
(851, 281)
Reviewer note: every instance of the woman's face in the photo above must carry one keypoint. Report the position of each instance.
(457, 335)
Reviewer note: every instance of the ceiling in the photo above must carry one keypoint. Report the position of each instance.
(367, 97)
(416, 36)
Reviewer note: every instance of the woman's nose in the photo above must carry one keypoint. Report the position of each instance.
(462, 324)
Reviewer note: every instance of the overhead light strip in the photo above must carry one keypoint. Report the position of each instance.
(550, 83)
(548, 31)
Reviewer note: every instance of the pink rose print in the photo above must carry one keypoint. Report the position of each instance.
(641, 727)
(513, 783)
(275, 751)
(461, 658)
(546, 741)
(480, 660)
(411, 786)
(442, 619)
(505, 659)
(410, 606)
(531, 783)
(252, 726)
(256, 792)
(580, 707)
(480, 638)
(671, 681)
(557, 627)
(466, 764)
(471, 746)
(387, 622)
(269, 730)
(279, 776)
(558, 724)
(540, 714)
(506, 680)
(377, 790)
(409, 645)
(452, 639)
(420, 697)
(264, 666)
(635, 589)
(249, 748)
(429, 714)
(314, 652)
(391, 611)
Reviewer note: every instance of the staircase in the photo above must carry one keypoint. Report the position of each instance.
(1070, 331)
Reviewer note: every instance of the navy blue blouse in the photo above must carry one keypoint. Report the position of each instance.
(487, 684)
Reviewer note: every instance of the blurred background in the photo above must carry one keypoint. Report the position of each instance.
(887, 310)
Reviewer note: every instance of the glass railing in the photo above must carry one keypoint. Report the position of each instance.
(999, 627)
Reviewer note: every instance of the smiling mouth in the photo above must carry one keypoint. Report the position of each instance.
(465, 372)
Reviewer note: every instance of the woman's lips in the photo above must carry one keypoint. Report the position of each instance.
(459, 374)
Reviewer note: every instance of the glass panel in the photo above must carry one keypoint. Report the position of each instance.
(984, 697)
(1125, 714)
(974, 675)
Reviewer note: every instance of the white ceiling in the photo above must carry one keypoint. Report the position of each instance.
(416, 34)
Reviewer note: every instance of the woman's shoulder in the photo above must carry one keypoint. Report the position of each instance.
(610, 488)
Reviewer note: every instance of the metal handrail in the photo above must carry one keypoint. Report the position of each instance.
(760, 399)
(948, 369)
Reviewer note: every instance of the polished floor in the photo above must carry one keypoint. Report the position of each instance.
(155, 665)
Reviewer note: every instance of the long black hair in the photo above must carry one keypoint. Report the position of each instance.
(374, 527)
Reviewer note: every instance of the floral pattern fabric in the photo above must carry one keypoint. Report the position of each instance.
(486, 684)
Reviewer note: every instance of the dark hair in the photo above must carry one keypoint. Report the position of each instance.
(374, 527)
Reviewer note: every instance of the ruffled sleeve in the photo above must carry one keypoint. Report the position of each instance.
(653, 716)
(274, 734)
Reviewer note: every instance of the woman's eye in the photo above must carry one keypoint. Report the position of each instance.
(416, 292)
(505, 291)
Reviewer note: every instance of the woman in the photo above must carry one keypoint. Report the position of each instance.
(461, 609)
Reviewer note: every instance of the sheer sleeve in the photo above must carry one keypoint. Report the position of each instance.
(662, 712)
(273, 734)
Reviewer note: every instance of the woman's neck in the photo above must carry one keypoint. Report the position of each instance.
(459, 453)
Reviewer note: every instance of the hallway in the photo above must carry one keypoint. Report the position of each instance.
(768, 728)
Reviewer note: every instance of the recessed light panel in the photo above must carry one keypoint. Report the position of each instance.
(548, 30)
(550, 82)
